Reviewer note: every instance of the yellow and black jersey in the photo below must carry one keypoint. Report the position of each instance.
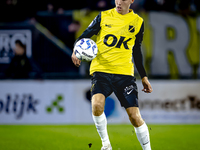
(118, 37)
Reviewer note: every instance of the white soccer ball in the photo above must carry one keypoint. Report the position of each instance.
(85, 49)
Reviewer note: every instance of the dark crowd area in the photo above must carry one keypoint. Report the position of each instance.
(47, 60)
(18, 10)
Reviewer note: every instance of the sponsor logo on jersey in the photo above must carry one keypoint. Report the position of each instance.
(108, 25)
(116, 42)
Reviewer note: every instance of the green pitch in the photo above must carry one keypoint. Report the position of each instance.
(85, 137)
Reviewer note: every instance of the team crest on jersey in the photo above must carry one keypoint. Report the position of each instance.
(131, 29)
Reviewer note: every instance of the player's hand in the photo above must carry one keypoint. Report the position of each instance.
(75, 60)
(147, 86)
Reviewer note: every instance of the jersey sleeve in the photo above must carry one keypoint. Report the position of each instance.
(137, 53)
(92, 29)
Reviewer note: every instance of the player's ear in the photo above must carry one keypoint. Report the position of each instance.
(132, 1)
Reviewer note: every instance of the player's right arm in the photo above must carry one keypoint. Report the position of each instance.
(91, 30)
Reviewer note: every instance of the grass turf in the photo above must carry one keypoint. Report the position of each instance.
(79, 137)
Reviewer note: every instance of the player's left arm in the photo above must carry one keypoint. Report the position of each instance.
(138, 59)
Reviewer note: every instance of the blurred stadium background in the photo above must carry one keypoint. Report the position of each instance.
(53, 98)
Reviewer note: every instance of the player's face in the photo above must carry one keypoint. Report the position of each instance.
(122, 6)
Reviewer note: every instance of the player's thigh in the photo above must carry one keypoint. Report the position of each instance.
(135, 116)
(133, 112)
(100, 90)
(98, 99)
(126, 92)
(98, 103)
(101, 84)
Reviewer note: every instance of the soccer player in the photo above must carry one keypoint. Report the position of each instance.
(119, 36)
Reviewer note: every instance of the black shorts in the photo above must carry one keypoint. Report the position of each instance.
(123, 86)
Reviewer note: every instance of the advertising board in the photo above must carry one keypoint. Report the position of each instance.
(68, 102)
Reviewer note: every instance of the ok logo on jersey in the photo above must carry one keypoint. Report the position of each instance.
(117, 43)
